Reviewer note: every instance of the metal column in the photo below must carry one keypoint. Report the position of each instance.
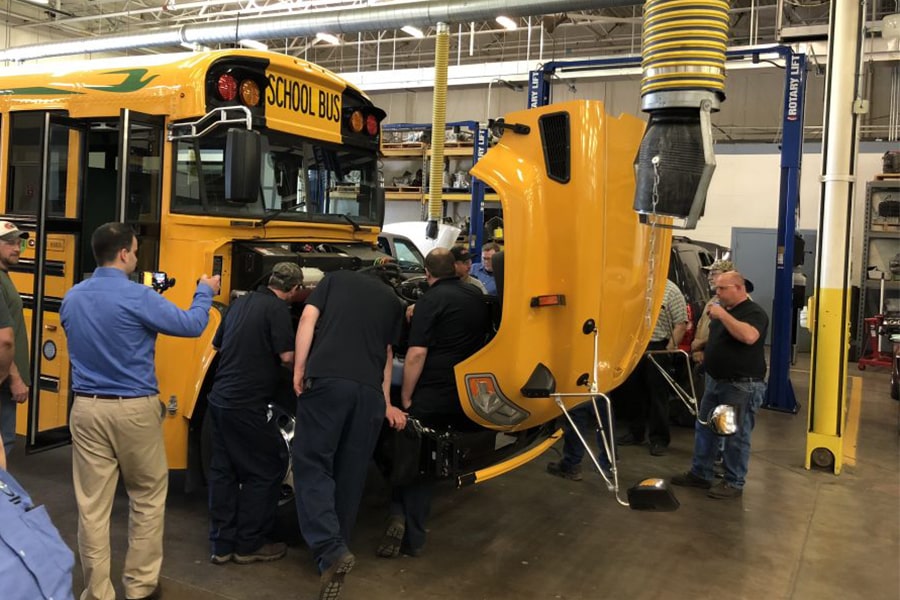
(828, 372)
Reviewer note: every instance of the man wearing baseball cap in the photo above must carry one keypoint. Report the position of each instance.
(256, 348)
(462, 261)
(14, 390)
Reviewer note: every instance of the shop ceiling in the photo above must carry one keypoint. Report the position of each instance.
(570, 31)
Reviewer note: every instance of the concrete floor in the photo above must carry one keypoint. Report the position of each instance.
(795, 534)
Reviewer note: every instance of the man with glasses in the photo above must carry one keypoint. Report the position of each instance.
(735, 368)
(14, 390)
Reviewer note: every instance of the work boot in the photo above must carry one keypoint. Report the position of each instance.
(723, 490)
(332, 579)
(265, 553)
(688, 479)
(628, 439)
(389, 546)
(560, 470)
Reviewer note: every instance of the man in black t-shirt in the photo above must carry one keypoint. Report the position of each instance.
(450, 323)
(735, 370)
(256, 344)
(342, 376)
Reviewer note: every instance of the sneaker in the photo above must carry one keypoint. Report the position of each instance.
(658, 450)
(723, 490)
(389, 546)
(265, 553)
(688, 479)
(570, 473)
(221, 559)
(332, 579)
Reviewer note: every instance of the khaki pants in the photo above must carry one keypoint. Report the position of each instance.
(109, 437)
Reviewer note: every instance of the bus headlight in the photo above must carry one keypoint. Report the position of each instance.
(490, 403)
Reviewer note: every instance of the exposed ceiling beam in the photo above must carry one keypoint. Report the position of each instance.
(341, 21)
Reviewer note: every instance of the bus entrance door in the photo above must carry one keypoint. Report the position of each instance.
(53, 263)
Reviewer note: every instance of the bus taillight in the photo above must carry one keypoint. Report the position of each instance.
(249, 93)
(227, 87)
(372, 125)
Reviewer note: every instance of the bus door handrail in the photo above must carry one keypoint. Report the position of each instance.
(218, 116)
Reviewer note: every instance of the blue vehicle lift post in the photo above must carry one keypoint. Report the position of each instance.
(780, 393)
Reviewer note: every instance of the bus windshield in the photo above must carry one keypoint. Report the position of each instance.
(301, 179)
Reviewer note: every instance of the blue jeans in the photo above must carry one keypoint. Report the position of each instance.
(746, 397)
(573, 449)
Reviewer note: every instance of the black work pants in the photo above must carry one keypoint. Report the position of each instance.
(434, 407)
(648, 390)
(338, 422)
(245, 473)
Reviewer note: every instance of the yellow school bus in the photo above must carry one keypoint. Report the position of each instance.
(228, 162)
(223, 162)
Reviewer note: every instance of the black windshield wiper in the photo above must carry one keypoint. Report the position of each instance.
(278, 213)
(356, 226)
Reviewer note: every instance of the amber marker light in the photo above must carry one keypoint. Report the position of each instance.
(249, 92)
(549, 300)
(356, 121)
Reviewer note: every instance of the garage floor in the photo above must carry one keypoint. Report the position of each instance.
(795, 534)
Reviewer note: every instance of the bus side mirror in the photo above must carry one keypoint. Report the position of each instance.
(242, 156)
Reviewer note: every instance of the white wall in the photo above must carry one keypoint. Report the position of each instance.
(744, 192)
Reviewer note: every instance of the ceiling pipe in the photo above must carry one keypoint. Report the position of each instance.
(372, 18)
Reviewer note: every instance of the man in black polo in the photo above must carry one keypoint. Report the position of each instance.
(735, 368)
(450, 323)
(342, 376)
(256, 347)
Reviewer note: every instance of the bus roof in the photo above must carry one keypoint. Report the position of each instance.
(57, 83)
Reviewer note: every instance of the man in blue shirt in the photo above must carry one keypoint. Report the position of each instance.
(111, 324)
(34, 560)
(484, 271)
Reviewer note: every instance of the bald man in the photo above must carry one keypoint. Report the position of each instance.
(735, 371)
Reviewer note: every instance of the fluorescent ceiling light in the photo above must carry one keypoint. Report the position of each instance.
(253, 45)
(507, 23)
(413, 31)
(41, 2)
(327, 37)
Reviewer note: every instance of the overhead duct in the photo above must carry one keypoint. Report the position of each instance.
(438, 126)
(372, 18)
(683, 60)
